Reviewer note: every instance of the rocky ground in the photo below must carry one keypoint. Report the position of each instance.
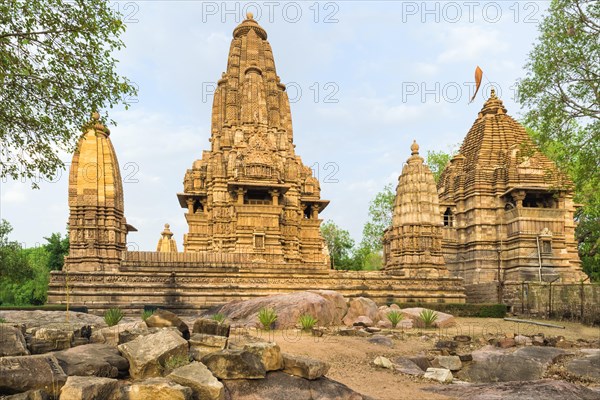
(358, 356)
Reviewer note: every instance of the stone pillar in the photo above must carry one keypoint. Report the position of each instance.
(240, 196)
(275, 197)
(190, 204)
(519, 196)
(315, 211)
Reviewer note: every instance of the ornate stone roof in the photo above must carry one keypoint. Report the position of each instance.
(498, 152)
(166, 243)
(97, 226)
(413, 244)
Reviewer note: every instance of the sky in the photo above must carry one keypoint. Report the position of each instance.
(365, 79)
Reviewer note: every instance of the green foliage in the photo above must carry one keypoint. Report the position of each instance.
(219, 317)
(25, 272)
(267, 317)
(2, 320)
(14, 267)
(395, 317)
(56, 68)
(307, 322)
(58, 248)
(437, 161)
(428, 317)
(113, 316)
(174, 362)
(380, 218)
(147, 314)
(339, 244)
(491, 311)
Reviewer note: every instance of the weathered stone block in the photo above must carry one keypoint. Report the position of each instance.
(234, 364)
(304, 367)
(198, 377)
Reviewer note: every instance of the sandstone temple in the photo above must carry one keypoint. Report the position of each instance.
(501, 212)
(507, 211)
(252, 208)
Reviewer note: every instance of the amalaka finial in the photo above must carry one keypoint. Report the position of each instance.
(414, 148)
(493, 94)
(249, 15)
(167, 226)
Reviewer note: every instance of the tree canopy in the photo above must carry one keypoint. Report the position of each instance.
(56, 67)
(339, 243)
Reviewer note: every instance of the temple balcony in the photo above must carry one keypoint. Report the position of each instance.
(531, 221)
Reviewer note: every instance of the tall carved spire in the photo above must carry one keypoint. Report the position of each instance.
(413, 244)
(251, 193)
(97, 226)
(250, 92)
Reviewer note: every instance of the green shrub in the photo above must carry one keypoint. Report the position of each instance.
(428, 317)
(219, 317)
(147, 314)
(492, 311)
(2, 320)
(307, 322)
(394, 317)
(267, 317)
(174, 362)
(113, 316)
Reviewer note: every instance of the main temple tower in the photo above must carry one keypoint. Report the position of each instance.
(251, 193)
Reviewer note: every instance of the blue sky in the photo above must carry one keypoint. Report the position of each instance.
(365, 78)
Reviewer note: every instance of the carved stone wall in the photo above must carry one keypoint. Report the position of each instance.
(507, 210)
(250, 192)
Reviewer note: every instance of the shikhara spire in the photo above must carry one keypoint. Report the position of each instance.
(250, 193)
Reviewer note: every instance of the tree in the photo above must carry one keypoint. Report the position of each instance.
(437, 161)
(562, 94)
(57, 248)
(380, 218)
(339, 243)
(562, 88)
(55, 69)
(14, 266)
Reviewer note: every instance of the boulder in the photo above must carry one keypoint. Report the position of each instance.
(325, 306)
(202, 344)
(165, 319)
(443, 320)
(421, 361)
(523, 340)
(22, 373)
(506, 343)
(381, 340)
(211, 327)
(198, 377)
(121, 333)
(158, 389)
(407, 366)
(53, 319)
(385, 324)
(538, 390)
(268, 352)
(361, 306)
(452, 363)
(12, 341)
(93, 360)
(45, 340)
(304, 367)
(383, 362)
(279, 385)
(524, 364)
(29, 395)
(439, 374)
(234, 364)
(586, 367)
(363, 321)
(340, 305)
(147, 354)
(90, 387)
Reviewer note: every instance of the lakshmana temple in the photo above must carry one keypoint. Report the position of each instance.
(500, 212)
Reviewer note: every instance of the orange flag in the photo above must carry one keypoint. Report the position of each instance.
(478, 76)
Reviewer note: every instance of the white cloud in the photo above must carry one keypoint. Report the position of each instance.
(471, 43)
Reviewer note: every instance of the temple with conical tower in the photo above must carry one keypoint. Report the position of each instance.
(412, 245)
(250, 193)
(252, 209)
(507, 210)
(97, 225)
